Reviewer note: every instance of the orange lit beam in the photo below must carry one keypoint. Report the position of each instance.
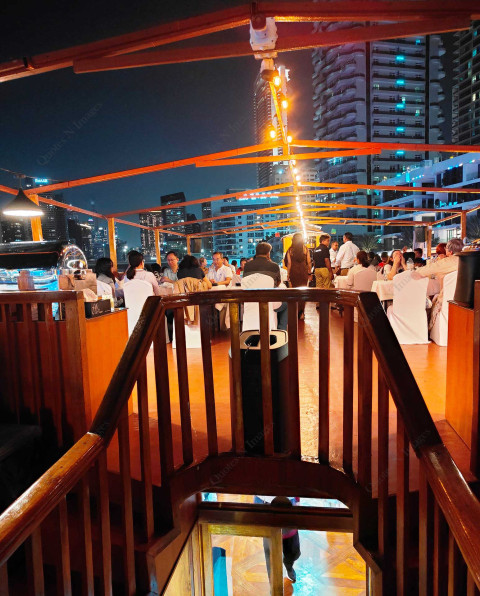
(387, 146)
(414, 189)
(137, 225)
(308, 40)
(289, 157)
(190, 161)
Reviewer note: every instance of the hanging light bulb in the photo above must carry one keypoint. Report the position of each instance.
(273, 133)
(289, 138)
(277, 80)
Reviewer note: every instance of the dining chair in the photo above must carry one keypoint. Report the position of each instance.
(439, 331)
(407, 314)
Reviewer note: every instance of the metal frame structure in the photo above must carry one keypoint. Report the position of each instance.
(127, 51)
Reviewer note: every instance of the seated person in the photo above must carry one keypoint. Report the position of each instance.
(202, 262)
(262, 264)
(395, 265)
(106, 274)
(418, 253)
(442, 266)
(170, 272)
(383, 260)
(418, 262)
(361, 261)
(190, 267)
(136, 270)
(157, 270)
(243, 262)
(218, 274)
(440, 251)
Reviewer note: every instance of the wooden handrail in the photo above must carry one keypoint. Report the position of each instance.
(451, 492)
(38, 297)
(33, 506)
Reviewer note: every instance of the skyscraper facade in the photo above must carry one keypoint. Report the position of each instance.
(466, 87)
(174, 215)
(54, 219)
(207, 242)
(265, 119)
(147, 237)
(372, 92)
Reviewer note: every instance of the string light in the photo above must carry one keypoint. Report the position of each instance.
(273, 133)
(277, 80)
(285, 103)
(289, 138)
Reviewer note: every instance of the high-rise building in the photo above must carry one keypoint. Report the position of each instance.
(54, 219)
(242, 244)
(147, 237)
(466, 87)
(174, 215)
(15, 230)
(80, 234)
(207, 241)
(266, 119)
(377, 91)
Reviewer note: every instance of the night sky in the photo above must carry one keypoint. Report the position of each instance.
(134, 117)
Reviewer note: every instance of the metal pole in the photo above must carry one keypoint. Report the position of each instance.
(36, 223)
(111, 241)
(157, 246)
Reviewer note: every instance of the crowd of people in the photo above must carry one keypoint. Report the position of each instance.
(303, 266)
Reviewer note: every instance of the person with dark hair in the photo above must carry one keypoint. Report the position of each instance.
(346, 254)
(262, 263)
(418, 262)
(190, 267)
(418, 253)
(396, 264)
(105, 273)
(374, 259)
(202, 261)
(170, 273)
(383, 260)
(243, 262)
(299, 267)
(361, 261)
(322, 265)
(136, 270)
(157, 270)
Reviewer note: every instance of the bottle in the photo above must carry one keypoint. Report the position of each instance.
(410, 265)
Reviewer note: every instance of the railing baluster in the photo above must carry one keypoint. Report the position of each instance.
(7, 356)
(104, 519)
(205, 333)
(29, 364)
(403, 509)
(238, 439)
(127, 513)
(348, 368)
(472, 589)
(64, 580)
(86, 536)
(35, 556)
(457, 570)
(4, 580)
(382, 482)
(425, 535)
(183, 390)
(364, 374)
(145, 457)
(293, 403)
(162, 385)
(266, 373)
(323, 382)
(440, 552)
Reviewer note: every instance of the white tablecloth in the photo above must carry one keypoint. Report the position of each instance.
(384, 289)
(340, 282)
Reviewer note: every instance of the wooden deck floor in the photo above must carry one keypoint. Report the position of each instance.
(428, 363)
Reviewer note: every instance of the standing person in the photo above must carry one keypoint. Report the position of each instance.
(299, 266)
(136, 270)
(290, 536)
(333, 254)
(322, 265)
(218, 274)
(346, 254)
(170, 272)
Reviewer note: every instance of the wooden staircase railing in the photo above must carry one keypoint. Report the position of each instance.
(87, 507)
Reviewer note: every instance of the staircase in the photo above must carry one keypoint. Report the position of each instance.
(92, 525)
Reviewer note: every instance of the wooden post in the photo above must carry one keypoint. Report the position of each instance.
(188, 244)
(111, 241)
(463, 225)
(157, 246)
(36, 222)
(475, 442)
(429, 241)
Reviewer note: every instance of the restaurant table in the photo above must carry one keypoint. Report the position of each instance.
(384, 289)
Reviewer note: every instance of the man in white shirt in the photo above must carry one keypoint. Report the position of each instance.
(333, 254)
(346, 255)
(218, 274)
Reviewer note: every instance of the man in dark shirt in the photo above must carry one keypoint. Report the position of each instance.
(262, 263)
(323, 268)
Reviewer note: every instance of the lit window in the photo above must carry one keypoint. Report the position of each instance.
(400, 82)
(400, 106)
(400, 58)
